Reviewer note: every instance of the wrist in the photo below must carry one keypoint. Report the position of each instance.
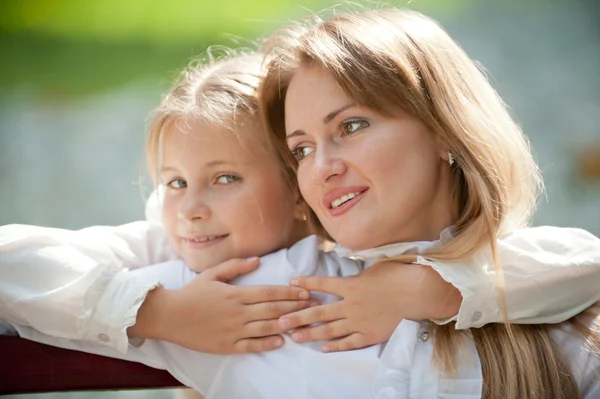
(154, 315)
(443, 299)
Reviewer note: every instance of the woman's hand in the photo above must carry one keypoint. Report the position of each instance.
(209, 315)
(374, 302)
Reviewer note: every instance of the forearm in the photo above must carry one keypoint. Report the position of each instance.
(549, 275)
(72, 284)
(439, 298)
(153, 315)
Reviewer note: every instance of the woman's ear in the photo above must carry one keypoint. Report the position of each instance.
(448, 157)
(443, 150)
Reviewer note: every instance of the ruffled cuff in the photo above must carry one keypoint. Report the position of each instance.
(117, 310)
(477, 286)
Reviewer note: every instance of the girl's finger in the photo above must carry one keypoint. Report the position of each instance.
(326, 331)
(330, 285)
(261, 329)
(274, 310)
(314, 314)
(353, 341)
(231, 269)
(253, 345)
(271, 293)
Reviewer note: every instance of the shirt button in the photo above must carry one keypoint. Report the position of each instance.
(424, 336)
(476, 317)
(103, 337)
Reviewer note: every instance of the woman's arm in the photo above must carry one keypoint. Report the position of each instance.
(550, 275)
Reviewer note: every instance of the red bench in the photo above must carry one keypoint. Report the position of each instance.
(27, 367)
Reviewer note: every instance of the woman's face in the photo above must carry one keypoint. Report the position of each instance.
(371, 179)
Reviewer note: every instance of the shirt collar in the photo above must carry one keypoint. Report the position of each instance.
(391, 250)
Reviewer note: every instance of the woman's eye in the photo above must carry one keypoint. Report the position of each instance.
(177, 184)
(353, 126)
(302, 152)
(228, 179)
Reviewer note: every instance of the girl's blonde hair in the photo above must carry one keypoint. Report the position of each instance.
(392, 59)
(221, 92)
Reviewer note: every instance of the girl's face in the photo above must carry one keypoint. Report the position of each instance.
(224, 195)
(371, 179)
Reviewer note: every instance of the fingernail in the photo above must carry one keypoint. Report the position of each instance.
(277, 342)
(294, 282)
(314, 303)
(252, 258)
(326, 348)
(304, 295)
(297, 336)
(284, 323)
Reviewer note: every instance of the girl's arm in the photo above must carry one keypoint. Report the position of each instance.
(74, 284)
(550, 275)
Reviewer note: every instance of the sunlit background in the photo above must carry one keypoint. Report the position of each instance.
(79, 78)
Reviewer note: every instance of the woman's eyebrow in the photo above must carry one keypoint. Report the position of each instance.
(330, 116)
(335, 113)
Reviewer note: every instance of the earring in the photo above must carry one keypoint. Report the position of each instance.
(450, 158)
(304, 217)
(179, 215)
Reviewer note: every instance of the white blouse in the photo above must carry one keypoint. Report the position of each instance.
(400, 369)
(75, 284)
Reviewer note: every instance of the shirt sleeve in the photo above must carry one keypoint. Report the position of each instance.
(550, 275)
(74, 284)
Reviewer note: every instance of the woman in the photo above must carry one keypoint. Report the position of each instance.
(374, 102)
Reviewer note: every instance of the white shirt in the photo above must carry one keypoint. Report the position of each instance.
(75, 284)
(302, 370)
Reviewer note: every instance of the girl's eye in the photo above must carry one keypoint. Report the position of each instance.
(228, 179)
(301, 152)
(177, 184)
(352, 126)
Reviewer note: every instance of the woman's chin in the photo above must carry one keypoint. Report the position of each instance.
(354, 240)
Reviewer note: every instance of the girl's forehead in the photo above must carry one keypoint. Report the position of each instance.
(204, 140)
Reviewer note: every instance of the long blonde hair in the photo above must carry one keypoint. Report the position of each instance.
(388, 59)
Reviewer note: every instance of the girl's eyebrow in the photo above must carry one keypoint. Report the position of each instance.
(165, 169)
(211, 164)
(330, 116)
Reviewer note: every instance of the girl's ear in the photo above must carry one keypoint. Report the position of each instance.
(301, 209)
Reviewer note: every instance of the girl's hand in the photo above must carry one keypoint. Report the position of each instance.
(211, 316)
(374, 302)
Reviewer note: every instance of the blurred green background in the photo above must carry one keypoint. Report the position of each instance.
(79, 78)
(60, 44)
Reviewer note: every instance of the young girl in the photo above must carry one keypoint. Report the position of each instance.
(374, 102)
(206, 163)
